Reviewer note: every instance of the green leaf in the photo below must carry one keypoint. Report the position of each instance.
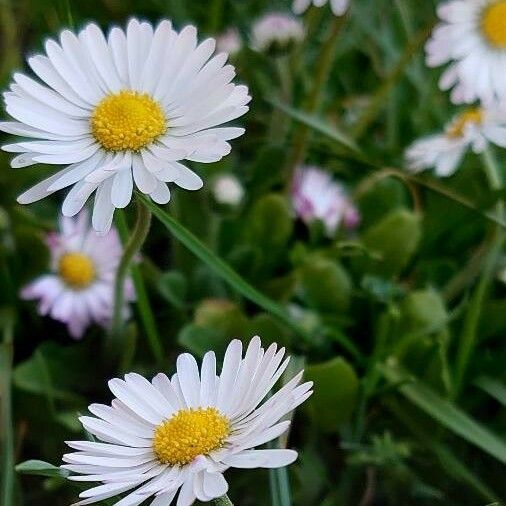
(41, 468)
(335, 393)
(200, 340)
(493, 387)
(319, 125)
(173, 286)
(221, 268)
(446, 413)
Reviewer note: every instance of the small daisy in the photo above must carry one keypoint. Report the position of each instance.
(338, 6)
(79, 290)
(276, 32)
(229, 42)
(228, 190)
(121, 110)
(472, 38)
(181, 433)
(316, 196)
(474, 128)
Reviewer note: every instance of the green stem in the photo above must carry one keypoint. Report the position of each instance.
(7, 435)
(223, 501)
(324, 59)
(143, 305)
(132, 247)
(470, 328)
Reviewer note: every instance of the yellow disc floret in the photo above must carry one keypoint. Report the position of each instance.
(493, 24)
(76, 270)
(188, 434)
(472, 116)
(127, 120)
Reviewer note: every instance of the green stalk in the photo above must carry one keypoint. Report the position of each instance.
(131, 249)
(469, 335)
(142, 300)
(324, 59)
(223, 501)
(7, 435)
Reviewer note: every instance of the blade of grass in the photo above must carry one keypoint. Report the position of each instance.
(143, 305)
(451, 464)
(7, 442)
(445, 412)
(493, 387)
(222, 269)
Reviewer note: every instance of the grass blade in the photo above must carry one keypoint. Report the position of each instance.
(222, 269)
(7, 436)
(493, 387)
(446, 413)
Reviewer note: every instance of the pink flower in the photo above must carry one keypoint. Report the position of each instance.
(316, 196)
(276, 31)
(79, 289)
(229, 42)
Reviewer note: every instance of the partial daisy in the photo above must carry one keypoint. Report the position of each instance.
(316, 196)
(79, 289)
(276, 32)
(181, 433)
(121, 110)
(338, 7)
(471, 37)
(229, 42)
(473, 128)
(228, 190)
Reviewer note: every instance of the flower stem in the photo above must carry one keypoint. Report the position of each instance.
(223, 501)
(132, 247)
(324, 59)
(470, 328)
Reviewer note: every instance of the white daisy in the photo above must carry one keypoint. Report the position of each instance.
(182, 433)
(474, 128)
(472, 38)
(276, 32)
(338, 7)
(79, 289)
(228, 190)
(122, 110)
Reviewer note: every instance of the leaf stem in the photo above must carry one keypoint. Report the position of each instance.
(223, 501)
(469, 334)
(131, 249)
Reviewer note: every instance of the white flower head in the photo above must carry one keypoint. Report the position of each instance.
(276, 32)
(471, 37)
(338, 7)
(316, 196)
(229, 42)
(474, 128)
(79, 289)
(228, 190)
(181, 433)
(125, 109)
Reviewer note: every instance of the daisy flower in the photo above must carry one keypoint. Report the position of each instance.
(338, 7)
(125, 109)
(276, 32)
(79, 289)
(228, 190)
(473, 128)
(316, 196)
(181, 433)
(471, 37)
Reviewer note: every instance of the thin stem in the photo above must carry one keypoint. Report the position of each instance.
(324, 59)
(223, 501)
(470, 329)
(132, 247)
(143, 305)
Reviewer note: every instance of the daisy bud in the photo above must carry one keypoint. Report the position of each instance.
(277, 33)
(228, 190)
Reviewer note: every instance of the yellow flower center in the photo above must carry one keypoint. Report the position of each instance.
(493, 24)
(457, 128)
(127, 120)
(77, 270)
(188, 434)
